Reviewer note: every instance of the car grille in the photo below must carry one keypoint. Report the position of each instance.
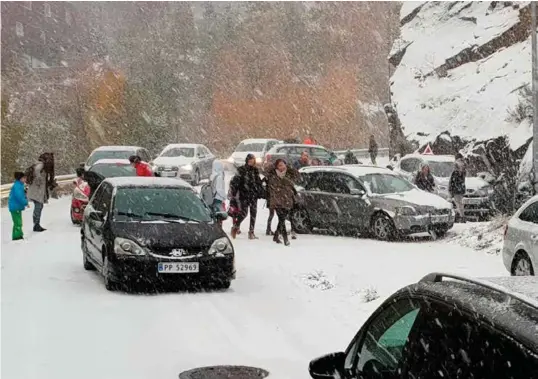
(440, 212)
(174, 253)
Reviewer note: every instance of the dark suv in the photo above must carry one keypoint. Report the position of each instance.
(456, 328)
(291, 152)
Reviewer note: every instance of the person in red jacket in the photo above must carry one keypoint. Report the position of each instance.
(141, 167)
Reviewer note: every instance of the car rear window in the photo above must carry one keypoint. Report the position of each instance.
(113, 170)
(159, 203)
(109, 154)
(384, 184)
(246, 147)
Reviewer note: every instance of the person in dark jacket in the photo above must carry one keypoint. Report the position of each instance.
(424, 179)
(282, 194)
(249, 189)
(17, 202)
(303, 161)
(350, 158)
(372, 149)
(456, 186)
(142, 168)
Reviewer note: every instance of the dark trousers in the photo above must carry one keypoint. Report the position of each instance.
(272, 215)
(283, 215)
(38, 208)
(248, 207)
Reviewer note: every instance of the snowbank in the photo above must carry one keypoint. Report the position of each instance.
(484, 236)
(471, 100)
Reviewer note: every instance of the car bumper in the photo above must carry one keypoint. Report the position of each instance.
(144, 269)
(423, 223)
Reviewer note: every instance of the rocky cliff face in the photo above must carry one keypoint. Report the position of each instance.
(463, 69)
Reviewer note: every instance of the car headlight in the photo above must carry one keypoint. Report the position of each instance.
(124, 246)
(79, 195)
(222, 246)
(187, 167)
(490, 191)
(406, 211)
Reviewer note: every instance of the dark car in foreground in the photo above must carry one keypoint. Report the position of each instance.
(369, 200)
(154, 230)
(445, 326)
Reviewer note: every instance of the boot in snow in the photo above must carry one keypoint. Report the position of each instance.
(39, 228)
(293, 235)
(252, 236)
(286, 241)
(268, 231)
(276, 237)
(234, 232)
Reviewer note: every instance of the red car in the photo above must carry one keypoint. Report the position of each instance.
(90, 180)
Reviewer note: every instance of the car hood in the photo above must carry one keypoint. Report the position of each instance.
(415, 197)
(161, 234)
(473, 183)
(172, 161)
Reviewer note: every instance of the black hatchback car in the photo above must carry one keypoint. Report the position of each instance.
(154, 230)
(459, 328)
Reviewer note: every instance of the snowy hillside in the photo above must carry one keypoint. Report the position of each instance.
(461, 66)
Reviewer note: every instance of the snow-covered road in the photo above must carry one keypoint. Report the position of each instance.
(59, 322)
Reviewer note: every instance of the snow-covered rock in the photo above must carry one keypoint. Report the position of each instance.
(460, 66)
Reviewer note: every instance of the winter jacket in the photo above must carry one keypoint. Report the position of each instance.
(291, 173)
(249, 186)
(217, 181)
(425, 183)
(281, 191)
(298, 164)
(309, 141)
(372, 148)
(143, 169)
(350, 158)
(456, 185)
(37, 190)
(17, 197)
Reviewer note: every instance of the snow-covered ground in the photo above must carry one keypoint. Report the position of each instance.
(287, 306)
(473, 99)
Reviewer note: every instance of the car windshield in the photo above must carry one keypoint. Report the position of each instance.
(109, 154)
(245, 147)
(384, 184)
(441, 169)
(159, 203)
(187, 152)
(113, 170)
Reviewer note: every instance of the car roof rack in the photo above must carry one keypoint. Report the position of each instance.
(436, 277)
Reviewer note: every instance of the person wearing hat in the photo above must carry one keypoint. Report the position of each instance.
(248, 190)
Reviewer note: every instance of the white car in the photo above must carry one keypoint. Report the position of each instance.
(520, 249)
(116, 152)
(190, 162)
(257, 146)
(477, 200)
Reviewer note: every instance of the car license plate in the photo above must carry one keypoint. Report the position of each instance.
(169, 173)
(439, 219)
(472, 201)
(178, 268)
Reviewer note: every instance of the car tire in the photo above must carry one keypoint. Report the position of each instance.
(223, 284)
(88, 266)
(196, 178)
(522, 265)
(75, 222)
(441, 232)
(110, 284)
(301, 221)
(382, 227)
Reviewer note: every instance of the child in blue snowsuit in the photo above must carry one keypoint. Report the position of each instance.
(17, 202)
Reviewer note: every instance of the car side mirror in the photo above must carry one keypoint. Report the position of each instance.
(220, 216)
(357, 192)
(96, 215)
(328, 366)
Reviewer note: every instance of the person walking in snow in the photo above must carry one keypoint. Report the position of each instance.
(142, 168)
(218, 187)
(281, 198)
(372, 149)
(40, 179)
(17, 202)
(247, 188)
(457, 187)
(424, 179)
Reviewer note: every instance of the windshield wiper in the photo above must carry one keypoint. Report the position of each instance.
(129, 214)
(171, 215)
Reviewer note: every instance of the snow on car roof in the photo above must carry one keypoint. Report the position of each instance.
(355, 170)
(524, 286)
(147, 181)
(117, 148)
(432, 158)
(112, 161)
(305, 145)
(175, 145)
(258, 140)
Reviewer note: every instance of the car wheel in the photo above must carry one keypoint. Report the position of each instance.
(75, 222)
(383, 227)
(85, 261)
(196, 178)
(441, 232)
(223, 284)
(522, 265)
(301, 221)
(109, 283)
